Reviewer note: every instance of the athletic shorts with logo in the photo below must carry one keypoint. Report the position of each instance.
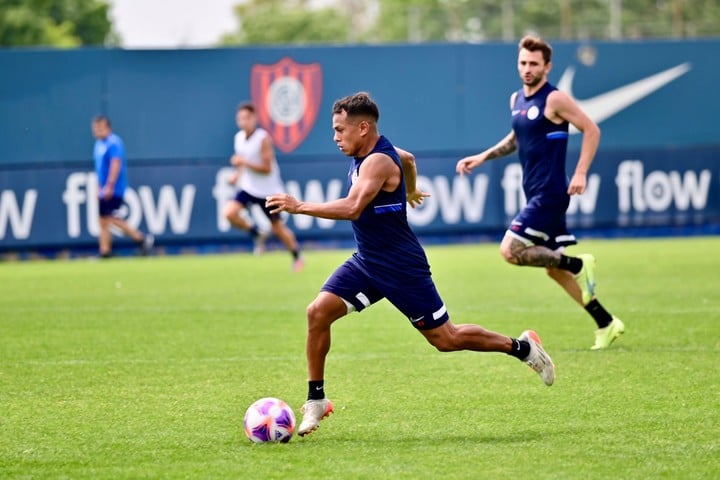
(417, 298)
(542, 222)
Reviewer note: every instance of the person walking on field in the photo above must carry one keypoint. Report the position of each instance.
(537, 236)
(389, 261)
(111, 172)
(259, 177)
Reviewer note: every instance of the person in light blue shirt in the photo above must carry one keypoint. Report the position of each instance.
(111, 171)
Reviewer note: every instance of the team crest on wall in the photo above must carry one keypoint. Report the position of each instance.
(287, 96)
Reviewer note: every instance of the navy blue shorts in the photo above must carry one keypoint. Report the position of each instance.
(418, 299)
(245, 199)
(542, 222)
(109, 207)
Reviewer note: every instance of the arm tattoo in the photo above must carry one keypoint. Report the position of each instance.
(503, 148)
(533, 256)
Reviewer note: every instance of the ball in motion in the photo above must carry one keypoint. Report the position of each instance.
(269, 420)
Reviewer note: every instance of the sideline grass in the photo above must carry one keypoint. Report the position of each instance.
(142, 368)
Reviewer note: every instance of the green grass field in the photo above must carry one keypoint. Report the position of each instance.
(143, 368)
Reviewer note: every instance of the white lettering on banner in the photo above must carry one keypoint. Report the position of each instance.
(515, 196)
(314, 193)
(462, 200)
(511, 184)
(658, 190)
(223, 192)
(20, 220)
(426, 213)
(167, 210)
(81, 189)
(586, 202)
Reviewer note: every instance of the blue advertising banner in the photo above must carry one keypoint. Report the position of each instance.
(658, 163)
(184, 203)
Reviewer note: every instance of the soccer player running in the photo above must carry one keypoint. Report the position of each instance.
(111, 171)
(538, 234)
(259, 177)
(389, 261)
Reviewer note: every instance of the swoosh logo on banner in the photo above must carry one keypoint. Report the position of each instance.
(603, 106)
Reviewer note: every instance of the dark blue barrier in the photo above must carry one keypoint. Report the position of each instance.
(657, 165)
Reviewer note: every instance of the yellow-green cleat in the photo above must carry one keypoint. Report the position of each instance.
(605, 336)
(586, 277)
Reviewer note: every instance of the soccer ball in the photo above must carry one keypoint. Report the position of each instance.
(269, 420)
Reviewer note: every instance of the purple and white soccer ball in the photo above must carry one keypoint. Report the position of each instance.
(269, 420)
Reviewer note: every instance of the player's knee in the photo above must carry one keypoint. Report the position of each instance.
(443, 343)
(231, 210)
(316, 315)
(508, 255)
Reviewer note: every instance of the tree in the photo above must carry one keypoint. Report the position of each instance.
(55, 23)
(264, 22)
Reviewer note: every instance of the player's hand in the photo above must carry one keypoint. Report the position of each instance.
(282, 202)
(108, 191)
(416, 198)
(465, 165)
(237, 160)
(232, 179)
(578, 183)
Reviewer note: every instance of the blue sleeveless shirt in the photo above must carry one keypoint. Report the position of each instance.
(542, 144)
(387, 249)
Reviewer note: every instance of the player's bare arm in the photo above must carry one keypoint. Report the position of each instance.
(415, 196)
(561, 107)
(377, 172)
(504, 147)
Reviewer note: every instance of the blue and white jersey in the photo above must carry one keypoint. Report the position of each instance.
(542, 144)
(103, 153)
(387, 249)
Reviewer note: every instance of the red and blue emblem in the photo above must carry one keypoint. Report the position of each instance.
(287, 97)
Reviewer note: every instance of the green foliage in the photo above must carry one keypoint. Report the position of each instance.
(143, 368)
(275, 22)
(375, 21)
(55, 23)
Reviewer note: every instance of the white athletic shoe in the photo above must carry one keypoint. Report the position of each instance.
(538, 359)
(147, 244)
(313, 411)
(259, 242)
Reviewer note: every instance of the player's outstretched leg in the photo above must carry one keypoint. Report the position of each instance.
(538, 359)
(313, 411)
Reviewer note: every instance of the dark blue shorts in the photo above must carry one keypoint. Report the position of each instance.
(245, 199)
(109, 207)
(417, 299)
(542, 222)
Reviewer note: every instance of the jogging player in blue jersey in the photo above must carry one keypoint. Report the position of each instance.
(538, 235)
(111, 171)
(389, 261)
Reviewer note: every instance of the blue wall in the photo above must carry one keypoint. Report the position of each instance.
(658, 163)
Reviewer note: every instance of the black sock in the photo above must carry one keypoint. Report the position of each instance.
(295, 254)
(520, 349)
(601, 316)
(571, 264)
(254, 231)
(316, 389)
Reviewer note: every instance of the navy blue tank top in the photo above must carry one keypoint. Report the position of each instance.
(542, 144)
(387, 249)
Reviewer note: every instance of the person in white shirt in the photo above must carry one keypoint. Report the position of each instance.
(259, 177)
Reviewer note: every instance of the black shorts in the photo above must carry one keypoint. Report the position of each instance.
(109, 207)
(245, 199)
(417, 299)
